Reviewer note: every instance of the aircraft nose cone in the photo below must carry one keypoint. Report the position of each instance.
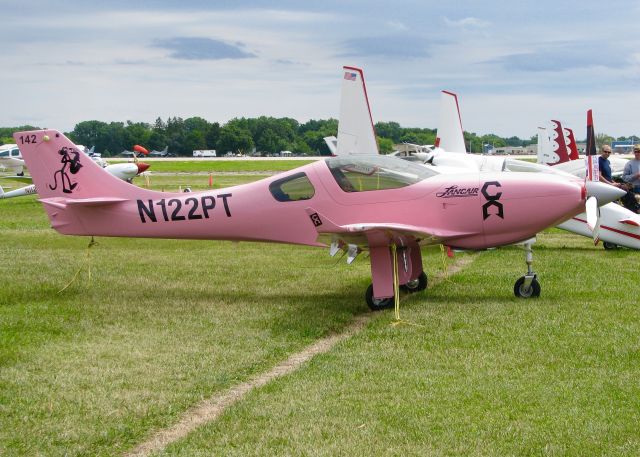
(604, 193)
(142, 167)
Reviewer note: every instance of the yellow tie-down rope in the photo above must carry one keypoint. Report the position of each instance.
(87, 262)
(396, 290)
(445, 265)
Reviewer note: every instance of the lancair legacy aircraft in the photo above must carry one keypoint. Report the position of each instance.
(386, 206)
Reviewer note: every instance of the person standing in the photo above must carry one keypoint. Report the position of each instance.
(631, 173)
(605, 166)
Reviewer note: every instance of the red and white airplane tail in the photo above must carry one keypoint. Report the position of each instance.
(356, 134)
(557, 147)
(450, 136)
(593, 171)
(571, 144)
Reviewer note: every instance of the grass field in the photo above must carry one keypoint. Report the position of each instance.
(161, 325)
(202, 165)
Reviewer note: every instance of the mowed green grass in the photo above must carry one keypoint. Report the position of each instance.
(204, 165)
(164, 324)
(482, 373)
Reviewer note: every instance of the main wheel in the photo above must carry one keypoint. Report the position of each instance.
(377, 304)
(608, 246)
(522, 292)
(416, 285)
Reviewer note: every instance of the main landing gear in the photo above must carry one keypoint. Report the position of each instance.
(527, 286)
(412, 286)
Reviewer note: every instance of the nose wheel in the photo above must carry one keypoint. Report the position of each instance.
(527, 286)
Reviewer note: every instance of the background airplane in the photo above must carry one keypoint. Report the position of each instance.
(11, 159)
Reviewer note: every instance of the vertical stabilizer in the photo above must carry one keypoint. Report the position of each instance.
(558, 143)
(592, 162)
(356, 134)
(450, 135)
(571, 144)
(332, 144)
(545, 153)
(60, 169)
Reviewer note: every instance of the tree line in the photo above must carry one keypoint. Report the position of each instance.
(266, 135)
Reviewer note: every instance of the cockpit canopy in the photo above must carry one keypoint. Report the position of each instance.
(365, 173)
(518, 165)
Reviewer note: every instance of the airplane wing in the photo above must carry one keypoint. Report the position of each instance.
(362, 234)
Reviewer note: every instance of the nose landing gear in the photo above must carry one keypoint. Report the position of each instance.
(527, 286)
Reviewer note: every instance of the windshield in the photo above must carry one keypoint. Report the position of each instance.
(360, 174)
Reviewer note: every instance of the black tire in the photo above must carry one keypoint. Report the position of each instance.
(418, 284)
(609, 246)
(377, 304)
(521, 292)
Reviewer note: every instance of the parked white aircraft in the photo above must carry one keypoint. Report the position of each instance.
(11, 159)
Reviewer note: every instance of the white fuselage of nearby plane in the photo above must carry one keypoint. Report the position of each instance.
(11, 158)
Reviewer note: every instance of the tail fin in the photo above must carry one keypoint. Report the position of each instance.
(571, 144)
(558, 143)
(332, 144)
(593, 172)
(356, 134)
(60, 169)
(545, 154)
(450, 136)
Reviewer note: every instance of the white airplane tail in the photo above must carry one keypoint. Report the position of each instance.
(356, 134)
(545, 153)
(332, 144)
(450, 136)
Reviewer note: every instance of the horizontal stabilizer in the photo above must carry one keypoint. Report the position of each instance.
(630, 221)
(62, 203)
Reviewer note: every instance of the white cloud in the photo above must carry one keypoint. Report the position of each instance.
(467, 22)
(82, 63)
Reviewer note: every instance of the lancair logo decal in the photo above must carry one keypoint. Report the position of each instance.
(455, 191)
(70, 160)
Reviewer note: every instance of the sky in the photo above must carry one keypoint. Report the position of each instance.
(514, 65)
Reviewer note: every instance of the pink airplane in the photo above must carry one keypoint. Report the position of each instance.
(387, 206)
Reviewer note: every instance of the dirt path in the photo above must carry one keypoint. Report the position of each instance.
(209, 410)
